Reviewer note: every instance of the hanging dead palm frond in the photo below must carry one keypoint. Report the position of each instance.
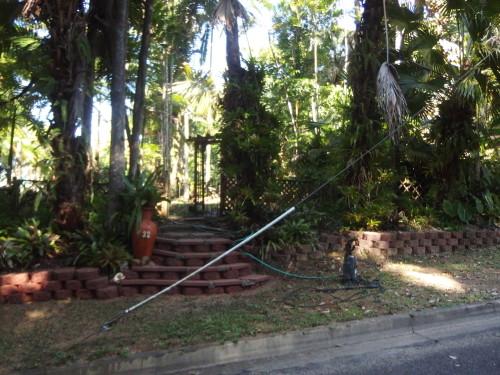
(389, 95)
(390, 98)
(227, 11)
(32, 8)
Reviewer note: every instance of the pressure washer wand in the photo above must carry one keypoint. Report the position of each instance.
(107, 326)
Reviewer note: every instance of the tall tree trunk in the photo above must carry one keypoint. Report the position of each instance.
(140, 89)
(94, 25)
(233, 49)
(66, 25)
(366, 59)
(168, 123)
(251, 166)
(10, 161)
(185, 156)
(315, 96)
(118, 27)
(208, 150)
(166, 118)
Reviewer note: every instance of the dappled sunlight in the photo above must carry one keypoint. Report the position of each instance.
(425, 276)
(38, 314)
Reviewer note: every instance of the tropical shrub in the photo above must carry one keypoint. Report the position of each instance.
(100, 244)
(291, 233)
(95, 251)
(30, 245)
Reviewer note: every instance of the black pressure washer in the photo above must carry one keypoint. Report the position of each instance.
(350, 265)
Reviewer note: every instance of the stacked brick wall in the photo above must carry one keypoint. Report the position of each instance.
(413, 243)
(392, 243)
(173, 260)
(58, 284)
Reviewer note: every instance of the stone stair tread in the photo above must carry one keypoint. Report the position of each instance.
(175, 254)
(194, 241)
(256, 278)
(179, 254)
(219, 268)
(243, 281)
(180, 235)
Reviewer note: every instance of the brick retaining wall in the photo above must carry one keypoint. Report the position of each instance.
(413, 243)
(87, 283)
(58, 284)
(393, 243)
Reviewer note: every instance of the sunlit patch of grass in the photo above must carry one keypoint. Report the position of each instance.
(424, 276)
(38, 314)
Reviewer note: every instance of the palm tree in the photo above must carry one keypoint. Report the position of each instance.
(248, 140)
(200, 95)
(140, 88)
(227, 12)
(117, 17)
(468, 106)
(462, 88)
(366, 59)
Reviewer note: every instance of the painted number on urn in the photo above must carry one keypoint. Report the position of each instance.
(146, 234)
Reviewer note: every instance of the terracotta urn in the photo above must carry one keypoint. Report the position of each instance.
(144, 237)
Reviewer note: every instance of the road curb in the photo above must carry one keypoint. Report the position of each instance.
(254, 348)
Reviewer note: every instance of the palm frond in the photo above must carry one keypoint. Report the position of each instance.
(390, 98)
(228, 11)
(406, 17)
(198, 89)
(421, 83)
(469, 88)
(418, 151)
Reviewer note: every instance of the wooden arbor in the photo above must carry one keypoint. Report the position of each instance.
(200, 150)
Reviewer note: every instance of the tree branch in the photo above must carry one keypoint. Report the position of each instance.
(24, 91)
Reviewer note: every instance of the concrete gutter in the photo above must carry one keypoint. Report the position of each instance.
(336, 334)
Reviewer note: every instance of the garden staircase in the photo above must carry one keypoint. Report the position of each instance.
(178, 254)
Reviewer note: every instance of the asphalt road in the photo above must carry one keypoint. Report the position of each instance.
(467, 346)
(472, 354)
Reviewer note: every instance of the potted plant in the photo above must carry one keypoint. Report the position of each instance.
(140, 197)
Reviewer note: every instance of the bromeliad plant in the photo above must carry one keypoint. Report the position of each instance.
(95, 250)
(98, 244)
(29, 245)
(138, 193)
